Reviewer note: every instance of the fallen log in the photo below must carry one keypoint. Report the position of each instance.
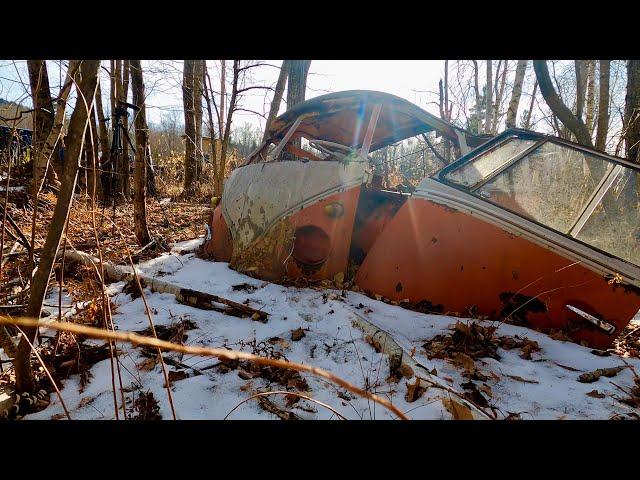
(400, 359)
(186, 296)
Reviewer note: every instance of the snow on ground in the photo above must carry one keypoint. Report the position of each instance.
(332, 343)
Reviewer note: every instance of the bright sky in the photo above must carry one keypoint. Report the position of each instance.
(404, 78)
(410, 79)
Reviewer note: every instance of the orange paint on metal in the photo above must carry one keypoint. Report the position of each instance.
(338, 230)
(457, 263)
(220, 247)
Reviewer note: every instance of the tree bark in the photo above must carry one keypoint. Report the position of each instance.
(79, 119)
(296, 91)
(591, 95)
(277, 97)
(527, 121)
(103, 131)
(93, 160)
(119, 94)
(632, 111)
(568, 119)
(125, 164)
(140, 164)
(43, 115)
(44, 154)
(42, 102)
(499, 95)
(516, 93)
(603, 105)
(581, 84)
(198, 75)
(189, 127)
(488, 98)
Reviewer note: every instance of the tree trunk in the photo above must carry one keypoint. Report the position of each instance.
(79, 119)
(43, 115)
(42, 104)
(119, 93)
(277, 97)
(568, 119)
(103, 131)
(499, 95)
(603, 105)
(125, 164)
(581, 84)
(140, 163)
(591, 95)
(93, 174)
(297, 87)
(488, 98)
(198, 75)
(527, 121)
(44, 154)
(189, 127)
(516, 93)
(476, 86)
(632, 111)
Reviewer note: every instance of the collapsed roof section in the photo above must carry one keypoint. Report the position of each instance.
(343, 118)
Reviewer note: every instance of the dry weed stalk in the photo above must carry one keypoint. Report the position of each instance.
(136, 340)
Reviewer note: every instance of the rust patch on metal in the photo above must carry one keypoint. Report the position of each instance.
(518, 306)
(263, 257)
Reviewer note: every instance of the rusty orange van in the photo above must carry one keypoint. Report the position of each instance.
(523, 227)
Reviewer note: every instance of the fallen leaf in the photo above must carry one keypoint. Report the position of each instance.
(486, 389)
(405, 370)
(148, 364)
(463, 360)
(591, 377)
(414, 391)
(175, 376)
(297, 334)
(595, 394)
(457, 410)
(338, 277)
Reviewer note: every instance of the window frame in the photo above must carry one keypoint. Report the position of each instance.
(617, 168)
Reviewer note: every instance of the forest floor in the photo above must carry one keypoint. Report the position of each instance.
(509, 372)
(512, 372)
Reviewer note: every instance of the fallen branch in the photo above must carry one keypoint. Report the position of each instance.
(398, 357)
(136, 340)
(21, 236)
(187, 296)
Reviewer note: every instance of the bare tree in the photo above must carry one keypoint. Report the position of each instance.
(43, 110)
(603, 105)
(79, 120)
(499, 96)
(632, 111)
(591, 95)
(296, 91)
(581, 85)
(277, 97)
(527, 121)
(516, 93)
(140, 163)
(572, 122)
(488, 96)
(190, 130)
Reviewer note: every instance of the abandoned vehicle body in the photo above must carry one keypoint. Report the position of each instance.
(523, 227)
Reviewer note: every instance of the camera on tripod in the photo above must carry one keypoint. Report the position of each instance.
(121, 109)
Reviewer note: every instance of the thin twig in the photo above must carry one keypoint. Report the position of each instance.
(136, 339)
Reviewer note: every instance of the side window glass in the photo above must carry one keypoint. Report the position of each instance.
(551, 185)
(480, 168)
(614, 226)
